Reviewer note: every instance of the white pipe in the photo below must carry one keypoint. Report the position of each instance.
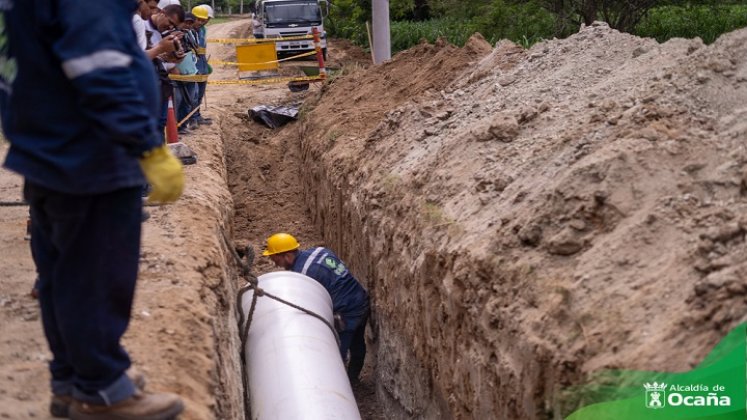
(294, 368)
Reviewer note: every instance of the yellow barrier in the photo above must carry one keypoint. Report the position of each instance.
(257, 57)
(231, 63)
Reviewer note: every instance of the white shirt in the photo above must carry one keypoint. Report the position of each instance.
(138, 24)
(155, 38)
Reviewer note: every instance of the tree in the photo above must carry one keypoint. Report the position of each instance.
(622, 15)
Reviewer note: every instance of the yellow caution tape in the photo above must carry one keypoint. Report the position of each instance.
(267, 81)
(258, 40)
(230, 63)
(201, 51)
(204, 78)
(199, 78)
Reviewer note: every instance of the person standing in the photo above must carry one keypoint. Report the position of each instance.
(78, 99)
(185, 93)
(203, 13)
(350, 302)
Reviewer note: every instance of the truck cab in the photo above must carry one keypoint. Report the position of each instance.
(291, 18)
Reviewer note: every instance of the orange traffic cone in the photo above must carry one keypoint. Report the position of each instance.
(172, 131)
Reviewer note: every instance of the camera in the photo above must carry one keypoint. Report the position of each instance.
(185, 42)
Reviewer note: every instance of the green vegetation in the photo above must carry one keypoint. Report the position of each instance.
(706, 22)
(529, 21)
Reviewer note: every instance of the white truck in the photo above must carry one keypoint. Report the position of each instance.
(291, 18)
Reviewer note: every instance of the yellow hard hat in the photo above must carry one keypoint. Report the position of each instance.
(200, 12)
(279, 243)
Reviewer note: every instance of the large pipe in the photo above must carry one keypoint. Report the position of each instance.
(294, 368)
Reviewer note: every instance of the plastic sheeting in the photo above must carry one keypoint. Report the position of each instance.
(274, 116)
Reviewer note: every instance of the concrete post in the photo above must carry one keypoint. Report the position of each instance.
(382, 44)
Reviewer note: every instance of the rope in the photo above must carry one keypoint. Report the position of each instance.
(258, 40)
(253, 284)
(13, 203)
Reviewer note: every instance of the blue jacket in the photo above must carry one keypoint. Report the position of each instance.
(349, 298)
(77, 95)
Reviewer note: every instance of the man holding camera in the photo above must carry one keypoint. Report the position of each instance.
(160, 26)
(185, 94)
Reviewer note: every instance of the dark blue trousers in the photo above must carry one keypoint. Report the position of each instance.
(185, 95)
(200, 95)
(353, 339)
(86, 249)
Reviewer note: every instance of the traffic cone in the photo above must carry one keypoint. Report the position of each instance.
(172, 131)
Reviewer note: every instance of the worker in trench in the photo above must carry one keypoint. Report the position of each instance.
(79, 102)
(350, 302)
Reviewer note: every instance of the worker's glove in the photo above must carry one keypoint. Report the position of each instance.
(339, 323)
(164, 173)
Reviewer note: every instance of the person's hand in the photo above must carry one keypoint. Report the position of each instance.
(164, 173)
(167, 45)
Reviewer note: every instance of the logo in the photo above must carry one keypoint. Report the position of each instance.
(8, 65)
(656, 395)
(330, 263)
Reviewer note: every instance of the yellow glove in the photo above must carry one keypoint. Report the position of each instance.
(164, 173)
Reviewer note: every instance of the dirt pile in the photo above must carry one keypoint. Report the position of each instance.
(527, 218)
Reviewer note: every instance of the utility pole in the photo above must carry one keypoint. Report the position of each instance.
(241, 7)
(382, 43)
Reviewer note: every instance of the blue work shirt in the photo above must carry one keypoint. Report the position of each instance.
(78, 96)
(349, 298)
(202, 64)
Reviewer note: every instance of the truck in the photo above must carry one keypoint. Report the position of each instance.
(291, 18)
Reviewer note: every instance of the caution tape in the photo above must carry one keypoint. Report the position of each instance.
(268, 81)
(199, 78)
(230, 63)
(201, 51)
(257, 40)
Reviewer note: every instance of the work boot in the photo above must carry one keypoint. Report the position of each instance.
(204, 121)
(60, 405)
(141, 406)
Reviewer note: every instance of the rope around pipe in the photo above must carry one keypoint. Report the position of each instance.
(253, 284)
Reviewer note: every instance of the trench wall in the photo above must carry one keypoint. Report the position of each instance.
(188, 274)
(438, 353)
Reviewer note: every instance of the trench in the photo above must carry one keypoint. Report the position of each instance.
(264, 171)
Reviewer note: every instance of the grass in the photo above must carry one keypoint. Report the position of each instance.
(706, 22)
(527, 24)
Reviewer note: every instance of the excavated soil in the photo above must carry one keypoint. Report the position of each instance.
(526, 217)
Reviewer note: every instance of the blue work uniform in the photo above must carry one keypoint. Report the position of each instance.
(202, 66)
(349, 299)
(77, 98)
